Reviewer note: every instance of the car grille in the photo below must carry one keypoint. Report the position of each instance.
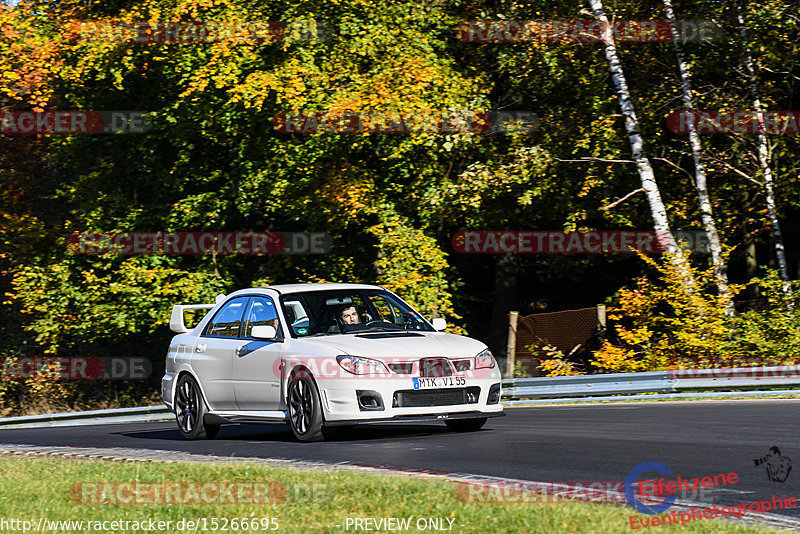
(414, 398)
(435, 367)
(431, 367)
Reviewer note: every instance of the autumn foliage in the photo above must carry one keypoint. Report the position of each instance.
(213, 161)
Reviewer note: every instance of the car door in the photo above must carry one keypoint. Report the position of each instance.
(256, 362)
(212, 359)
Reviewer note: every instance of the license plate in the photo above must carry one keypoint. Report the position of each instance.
(440, 382)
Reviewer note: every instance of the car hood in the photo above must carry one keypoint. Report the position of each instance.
(411, 347)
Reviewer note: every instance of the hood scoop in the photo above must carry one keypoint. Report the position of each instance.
(385, 335)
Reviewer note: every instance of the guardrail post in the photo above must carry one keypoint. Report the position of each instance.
(601, 321)
(511, 347)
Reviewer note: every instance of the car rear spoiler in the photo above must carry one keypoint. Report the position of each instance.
(176, 323)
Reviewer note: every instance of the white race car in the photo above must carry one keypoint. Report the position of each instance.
(323, 355)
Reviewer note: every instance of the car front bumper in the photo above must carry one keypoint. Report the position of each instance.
(394, 399)
(422, 418)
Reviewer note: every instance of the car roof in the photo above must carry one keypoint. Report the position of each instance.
(297, 288)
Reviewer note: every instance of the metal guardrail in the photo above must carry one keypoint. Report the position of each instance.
(664, 384)
(585, 385)
(140, 414)
(735, 377)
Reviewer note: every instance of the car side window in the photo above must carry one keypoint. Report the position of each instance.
(261, 311)
(228, 319)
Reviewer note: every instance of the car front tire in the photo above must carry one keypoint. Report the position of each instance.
(305, 410)
(190, 410)
(466, 425)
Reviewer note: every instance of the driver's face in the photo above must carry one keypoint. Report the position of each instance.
(350, 316)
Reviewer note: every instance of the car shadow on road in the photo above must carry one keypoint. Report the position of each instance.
(227, 432)
(375, 432)
(282, 433)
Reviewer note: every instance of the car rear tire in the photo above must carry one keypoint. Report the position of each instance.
(305, 410)
(190, 410)
(466, 425)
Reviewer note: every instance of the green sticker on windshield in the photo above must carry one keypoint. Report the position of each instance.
(302, 330)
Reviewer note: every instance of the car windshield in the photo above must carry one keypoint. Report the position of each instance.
(351, 311)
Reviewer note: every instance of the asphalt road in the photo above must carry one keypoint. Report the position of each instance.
(549, 443)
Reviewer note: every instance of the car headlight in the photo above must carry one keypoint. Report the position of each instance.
(484, 360)
(362, 366)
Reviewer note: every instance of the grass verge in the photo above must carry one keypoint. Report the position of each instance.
(309, 501)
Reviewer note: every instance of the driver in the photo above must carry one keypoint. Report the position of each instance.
(349, 315)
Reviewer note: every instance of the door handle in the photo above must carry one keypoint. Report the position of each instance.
(200, 348)
(237, 350)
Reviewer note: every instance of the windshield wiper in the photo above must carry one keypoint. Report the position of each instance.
(390, 327)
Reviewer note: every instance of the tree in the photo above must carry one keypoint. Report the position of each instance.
(701, 182)
(645, 169)
(763, 152)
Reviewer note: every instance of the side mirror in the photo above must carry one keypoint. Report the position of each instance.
(439, 324)
(265, 331)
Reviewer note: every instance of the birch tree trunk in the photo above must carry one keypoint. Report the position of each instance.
(763, 155)
(701, 184)
(646, 175)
